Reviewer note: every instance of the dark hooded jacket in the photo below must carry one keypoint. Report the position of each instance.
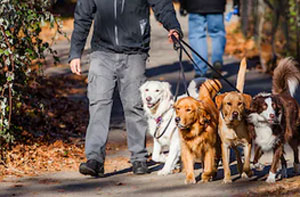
(120, 26)
(205, 6)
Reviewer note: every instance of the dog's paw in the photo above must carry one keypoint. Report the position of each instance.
(204, 181)
(297, 168)
(164, 172)
(190, 181)
(226, 181)
(244, 175)
(160, 159)
(271, 178)
(258, 166)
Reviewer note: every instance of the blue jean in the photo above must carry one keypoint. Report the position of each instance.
(199, 25)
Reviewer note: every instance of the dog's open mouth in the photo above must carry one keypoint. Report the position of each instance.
(151, 105)
(273, 121)
(180, 126)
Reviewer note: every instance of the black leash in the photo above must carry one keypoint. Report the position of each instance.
(181, 47)
(181, 74)
(166, 127)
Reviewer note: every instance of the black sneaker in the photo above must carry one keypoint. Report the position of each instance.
(139, 167)
(218, 66)
(92, 167)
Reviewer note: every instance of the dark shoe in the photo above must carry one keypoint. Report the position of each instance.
(218, 66)
(92, 167)
(139, 167)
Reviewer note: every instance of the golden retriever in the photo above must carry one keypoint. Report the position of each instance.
(233, 129)
(197, 122)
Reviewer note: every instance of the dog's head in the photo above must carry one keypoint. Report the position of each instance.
(155, 92)
(268, 107)
(189, 111)
(233, 106)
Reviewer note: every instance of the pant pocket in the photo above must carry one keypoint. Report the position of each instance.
(100, 89)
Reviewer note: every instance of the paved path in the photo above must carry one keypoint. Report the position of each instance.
(162, 65)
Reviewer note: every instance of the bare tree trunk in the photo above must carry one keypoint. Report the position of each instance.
(298, 29)
(245, 16)
(284, 8)
(261, 20)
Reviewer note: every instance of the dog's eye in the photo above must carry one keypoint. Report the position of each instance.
(188, 110)
(156, 90)
(147, 90)
(240, 103)
(274, 105)
(229, 104)
(265, 106)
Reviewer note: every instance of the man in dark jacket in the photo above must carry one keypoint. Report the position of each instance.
(120, 47)
(206, 16)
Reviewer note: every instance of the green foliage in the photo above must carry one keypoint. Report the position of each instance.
(20, 45)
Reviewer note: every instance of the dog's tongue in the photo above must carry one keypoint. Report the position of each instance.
(272, 121)
(150, 105)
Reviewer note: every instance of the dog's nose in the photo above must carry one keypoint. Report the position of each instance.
(272, 116)
(235, 114)
(148, 98)
(177, 119)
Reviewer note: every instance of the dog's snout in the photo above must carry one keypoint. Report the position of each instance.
(148, 98)
(235, 114)
(177, 119)
(272, 116)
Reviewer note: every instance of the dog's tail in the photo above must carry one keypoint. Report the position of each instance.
(286, 77)
(241, 75)
(209, 88)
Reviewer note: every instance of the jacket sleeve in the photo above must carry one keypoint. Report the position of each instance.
(83, 18)
(165, 13)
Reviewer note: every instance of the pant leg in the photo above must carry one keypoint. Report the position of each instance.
(216, 31)
(130, 77)
(198, 40)
(101, 84)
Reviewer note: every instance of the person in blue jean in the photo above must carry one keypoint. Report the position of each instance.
(206, 17)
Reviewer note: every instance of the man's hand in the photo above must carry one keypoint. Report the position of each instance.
(173, 32)
(75, 66)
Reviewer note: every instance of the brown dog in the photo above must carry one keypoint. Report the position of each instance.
(275, 118)
(197, 121)
(233, 129)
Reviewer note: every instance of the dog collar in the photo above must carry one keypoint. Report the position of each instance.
(158, 120)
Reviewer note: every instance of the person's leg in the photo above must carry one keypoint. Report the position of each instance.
(101, 84)
(131, 76)
(197, 39)
(216, 31)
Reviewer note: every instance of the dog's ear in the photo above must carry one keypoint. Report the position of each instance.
(247, 100)
(203, 116)
(219, 100)
(167, 90)
(254, 105)
(142, 87)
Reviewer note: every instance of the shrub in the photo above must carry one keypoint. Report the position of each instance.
(20, 47)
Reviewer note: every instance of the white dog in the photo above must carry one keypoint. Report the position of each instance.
(158, 105)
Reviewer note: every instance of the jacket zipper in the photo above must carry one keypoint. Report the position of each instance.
(116, 27)
(123, 3)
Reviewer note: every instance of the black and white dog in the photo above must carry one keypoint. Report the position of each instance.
(275, 118)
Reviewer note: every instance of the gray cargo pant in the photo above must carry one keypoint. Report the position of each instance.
(108, 69)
